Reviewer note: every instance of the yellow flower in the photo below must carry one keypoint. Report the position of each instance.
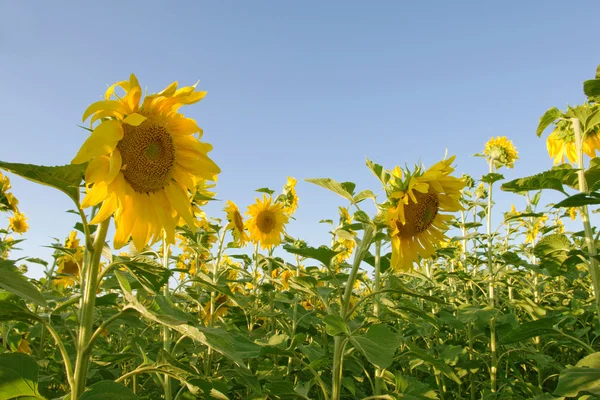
(534, 230)
(220, 306)
(236, 224)
(573, 213)
(290, 197)
(69, 264)
(4, 183)
(24, 346)
(502, 151)
(18, 223)
(416, 221)
(345, 247)
(345, 218)
(267, 222)
(12, 202)
(144, 161)
(561, 143)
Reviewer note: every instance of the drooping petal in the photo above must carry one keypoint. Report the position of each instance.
(95, 195)
(97, 170)
(114, 166)
(105, 105)
(102, 141)
(180, 201)
(109, 206)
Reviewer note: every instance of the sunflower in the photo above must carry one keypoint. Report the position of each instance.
(4, 183)
(69, 263)
(143, 161)
(501, 151)
(267, 222)
(289, 196)
(573, 213)
(561, 143)
(236, 224)
(414, 213)
(18, 223)
(345, 218)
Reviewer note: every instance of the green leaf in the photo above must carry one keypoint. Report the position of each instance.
(361, 216)
(378, 171)
(552, 179)
(553, 250)
(108, 390)
(13, 312)
(12, 280)
(65, 178)
(530, 329)
(379, 345)
(335, 325)
(265, 190)
(323, 254)
(234, 346)
(571, 381)
(336, 187)
(18, 377)
(549, 117)
(365, 194)
(151, 275)
(492, 177)
(591, 88)
(579, 199)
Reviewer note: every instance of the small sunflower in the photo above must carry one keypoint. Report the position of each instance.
(502, 151)
(266, 224)
(573, 213)
(144, 161)
(18, 223)
(414, 214)
(4, 183)
(69, 264)
(561, 143)
(289, 196)
(236, 224)
(345, 218)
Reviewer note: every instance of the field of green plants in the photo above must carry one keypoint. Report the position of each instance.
(437, 295)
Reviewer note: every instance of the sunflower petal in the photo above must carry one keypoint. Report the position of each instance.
(105, 105)
(102, 141)
(180, 201)
(109, 206)
(134, 119)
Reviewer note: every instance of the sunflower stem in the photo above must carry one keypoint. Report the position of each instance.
(213, 298)
(589, 236)
(86, 309)
(376, 305)
(165, 330)
(492, 299)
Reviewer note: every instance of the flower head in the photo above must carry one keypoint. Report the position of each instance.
(18, 223)
(236, 224)
(289, 197)
(144, 161)
(501, 151)
(266, 224)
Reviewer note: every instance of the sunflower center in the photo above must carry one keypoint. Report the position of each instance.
(420, 215)
(265, 221)
(148, 156)
(237, 220)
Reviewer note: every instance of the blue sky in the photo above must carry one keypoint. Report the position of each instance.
(305, 89)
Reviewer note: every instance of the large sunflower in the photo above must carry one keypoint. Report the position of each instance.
(414, 214)
(267, 222)
(236, 224)
(143, 161)
(561, 143)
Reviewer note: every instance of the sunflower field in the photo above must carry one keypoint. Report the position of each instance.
(435, 295)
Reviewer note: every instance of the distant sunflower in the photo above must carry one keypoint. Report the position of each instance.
(69, 264)
(289, 196)
(18, 223)
(502, 151)
(236, 224)
(414, 215)
(267, 222)
(144, 161)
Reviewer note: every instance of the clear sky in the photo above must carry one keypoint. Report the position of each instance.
(305, 89)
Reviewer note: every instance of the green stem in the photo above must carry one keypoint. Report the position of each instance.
(589, 237)
(492, 299)
(213, 299)
(165, 330)
(86, 309)
(376, 305)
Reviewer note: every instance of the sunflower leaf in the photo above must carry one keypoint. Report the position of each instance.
(323, 254)
(341, 189)
(15, 282)
(552, 179)
(591, 88)
(18, 376)
(65, 178)
(549, 117)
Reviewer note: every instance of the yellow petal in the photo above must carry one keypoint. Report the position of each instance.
(95, 195)
(134, 94)
(180, 201)
(97, 170)
(183, 126)
(134, 119)
(114, 166)
(105, 105)
(109, 206)
(102, 141)
(200, 165)
(111, 90)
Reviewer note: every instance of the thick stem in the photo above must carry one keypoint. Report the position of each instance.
(492, 299)
(376, 305)
(589, 237)
(166, 335)
(213, 300)
(86, 310)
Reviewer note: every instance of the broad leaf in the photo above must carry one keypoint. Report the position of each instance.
(552, 179)
(335, 325)
(65, 178)
(579, 199)
(335, 186)
(108, 390)
(12, 280)
(379, 345)
(530, 329)
(549, 117)
(591, 88)
(322, 254)
(151, 275)
(18, 377)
